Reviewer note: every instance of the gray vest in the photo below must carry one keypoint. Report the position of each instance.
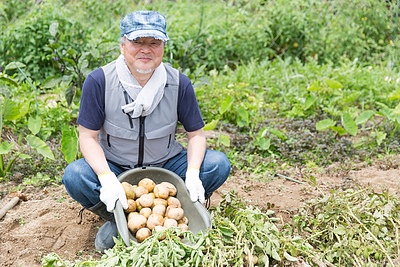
(119, 136)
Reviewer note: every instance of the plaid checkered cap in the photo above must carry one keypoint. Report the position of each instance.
(144, 24)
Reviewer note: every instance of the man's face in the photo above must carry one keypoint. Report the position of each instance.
(142, 55)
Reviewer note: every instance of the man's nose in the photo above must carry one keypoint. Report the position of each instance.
(145, 48)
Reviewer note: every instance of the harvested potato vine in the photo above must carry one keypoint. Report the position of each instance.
(153, 206)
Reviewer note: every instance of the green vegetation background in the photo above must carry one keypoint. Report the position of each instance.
(281, 83)
(304, 82)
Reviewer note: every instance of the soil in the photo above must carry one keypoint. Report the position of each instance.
(49, 221)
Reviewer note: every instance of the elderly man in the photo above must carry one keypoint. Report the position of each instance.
(128, 116)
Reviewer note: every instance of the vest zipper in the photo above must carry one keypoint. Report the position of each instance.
(141, 141)
(127, 102)
(169, 140)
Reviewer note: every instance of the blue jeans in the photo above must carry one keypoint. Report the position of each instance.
(82, 184)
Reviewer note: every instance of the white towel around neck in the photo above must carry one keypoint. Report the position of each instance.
(145, 99)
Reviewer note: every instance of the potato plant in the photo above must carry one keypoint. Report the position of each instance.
(346, 228)
(241, 235)
(352, 227)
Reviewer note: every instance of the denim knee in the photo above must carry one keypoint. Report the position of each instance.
(215, 170)
(81, 183)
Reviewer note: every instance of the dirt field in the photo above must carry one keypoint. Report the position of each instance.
(49, 220)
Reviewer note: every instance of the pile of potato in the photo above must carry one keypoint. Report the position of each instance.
(153, 206)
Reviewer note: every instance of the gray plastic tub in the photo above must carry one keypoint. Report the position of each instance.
(198, 216)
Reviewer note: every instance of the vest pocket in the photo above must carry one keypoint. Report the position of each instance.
(119, 132)
(159, 141)
(161, 132)
(117, 141)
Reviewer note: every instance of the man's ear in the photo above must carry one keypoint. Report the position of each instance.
(121, 48)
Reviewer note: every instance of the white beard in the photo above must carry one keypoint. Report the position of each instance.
(141, 71)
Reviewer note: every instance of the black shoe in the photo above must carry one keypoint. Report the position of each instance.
(105, 236)
(207, 202)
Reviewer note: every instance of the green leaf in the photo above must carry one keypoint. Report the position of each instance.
(268, 248)
(349, 124)
(51, 82)
(333, 84)
(338, 129)
(265, 260)
(70, 94)
(275, 255)
(225, 104)
(224, 140)
(257, 241)
(324, 124)
(340, 230)
(14, 65)
(34, 124)
(24, 108)
(352, 97)
(281, 135)
(380, 137)
(395, 95)
(7, 79)
(264, 143)
(69, 60)
(314, 87)
(226, 231)
(263, 132)
(14, 111)
(11, 110)
(69, 143)
(396, 110)
(40, 146)
(243, 119)
(24, 156)
(211, 125)
(289, 257)
(5, 147)
(364, 116)
(310, 100)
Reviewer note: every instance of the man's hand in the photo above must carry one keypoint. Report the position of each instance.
(194, 185)
(111, 190)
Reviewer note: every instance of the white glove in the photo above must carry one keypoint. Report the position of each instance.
(194, 185)
(111, 190)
